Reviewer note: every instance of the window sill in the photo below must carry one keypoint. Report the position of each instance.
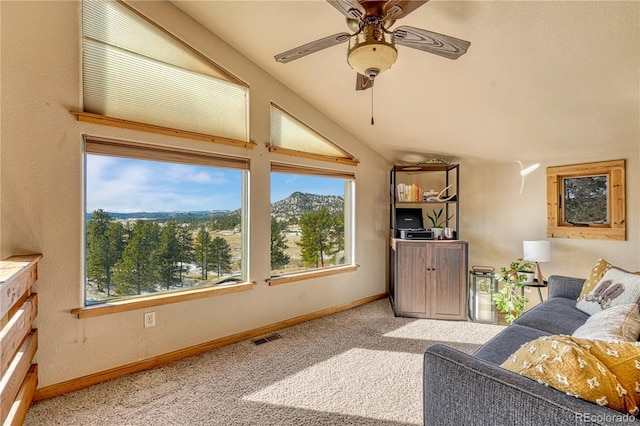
(587, 232)
(312, 274)
(158, 300)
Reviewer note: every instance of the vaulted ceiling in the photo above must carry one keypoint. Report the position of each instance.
(541, 79)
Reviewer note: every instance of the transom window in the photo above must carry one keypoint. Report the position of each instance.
(136, 71)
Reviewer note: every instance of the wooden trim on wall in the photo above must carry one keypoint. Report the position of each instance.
(158, 300)
(151, 128)
(161, 360)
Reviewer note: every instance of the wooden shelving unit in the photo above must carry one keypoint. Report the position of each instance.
(428, 278)
(450, 176)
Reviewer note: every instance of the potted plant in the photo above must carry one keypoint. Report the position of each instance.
(437, 222)
(510, 299)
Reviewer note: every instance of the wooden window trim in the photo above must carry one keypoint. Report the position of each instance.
(88, 117)
(616, 229)
(306, 275)
(143, 302)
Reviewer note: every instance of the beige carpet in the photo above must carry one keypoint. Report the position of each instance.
(358, 367)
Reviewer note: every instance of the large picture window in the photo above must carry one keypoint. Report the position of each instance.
(161, 220)
(311, 219)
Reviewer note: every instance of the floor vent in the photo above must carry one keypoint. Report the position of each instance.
(274, 336)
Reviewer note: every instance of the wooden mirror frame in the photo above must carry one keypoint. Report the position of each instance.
(615, 229)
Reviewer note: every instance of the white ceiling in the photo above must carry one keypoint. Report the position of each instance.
(541, 79)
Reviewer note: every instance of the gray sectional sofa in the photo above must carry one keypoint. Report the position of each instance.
(474, 390)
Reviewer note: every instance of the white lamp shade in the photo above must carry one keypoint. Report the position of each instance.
(536, 251)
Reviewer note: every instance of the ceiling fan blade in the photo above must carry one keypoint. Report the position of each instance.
(363, 82)
(349, 8)
(396, 9)
(438, 44)
(312, 47)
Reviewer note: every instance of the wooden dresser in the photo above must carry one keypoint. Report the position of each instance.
(18, 340)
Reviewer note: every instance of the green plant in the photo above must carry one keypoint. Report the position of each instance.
(521, 266)
(510, 299)
(435, 218)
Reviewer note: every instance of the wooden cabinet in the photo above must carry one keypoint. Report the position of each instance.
(429, 279)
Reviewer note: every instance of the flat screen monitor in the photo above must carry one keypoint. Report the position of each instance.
(409, 218)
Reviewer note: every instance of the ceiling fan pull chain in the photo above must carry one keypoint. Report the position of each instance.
(372, 105)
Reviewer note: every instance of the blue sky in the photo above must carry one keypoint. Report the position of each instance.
(125, 186)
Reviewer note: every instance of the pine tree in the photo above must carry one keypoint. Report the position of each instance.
(137, 270)
(105, 243)
(220, 255)
(320, 236)
(168, 253)
(185, 249)
(202, 251)
(279, 258)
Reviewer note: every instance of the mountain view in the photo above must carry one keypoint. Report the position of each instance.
(289, 209)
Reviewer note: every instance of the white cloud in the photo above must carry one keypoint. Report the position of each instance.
(180, 173)
(120, 185)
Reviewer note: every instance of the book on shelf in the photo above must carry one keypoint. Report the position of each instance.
(409, 192)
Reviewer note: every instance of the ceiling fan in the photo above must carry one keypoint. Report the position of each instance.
(372, 46)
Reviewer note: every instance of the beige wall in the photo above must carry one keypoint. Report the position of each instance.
(496, 217)
(42, 208)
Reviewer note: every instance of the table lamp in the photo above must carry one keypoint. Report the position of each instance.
(537, 251)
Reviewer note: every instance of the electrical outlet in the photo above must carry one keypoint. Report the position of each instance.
(149, 319)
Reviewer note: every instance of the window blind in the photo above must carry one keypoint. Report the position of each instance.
(134, 70)
(288, 132)
(311, 171)
(142, 151)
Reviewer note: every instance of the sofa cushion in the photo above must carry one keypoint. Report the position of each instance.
(616, 287)
(620, 322)
(601, 372)
(557, 315)
(509, 340)
(594, 277)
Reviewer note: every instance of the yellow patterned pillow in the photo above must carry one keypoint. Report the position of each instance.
(594, 277)
(605, 373)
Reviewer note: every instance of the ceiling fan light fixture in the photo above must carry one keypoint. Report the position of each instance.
(372, 51)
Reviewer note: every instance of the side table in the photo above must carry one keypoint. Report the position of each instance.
(535, 283)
